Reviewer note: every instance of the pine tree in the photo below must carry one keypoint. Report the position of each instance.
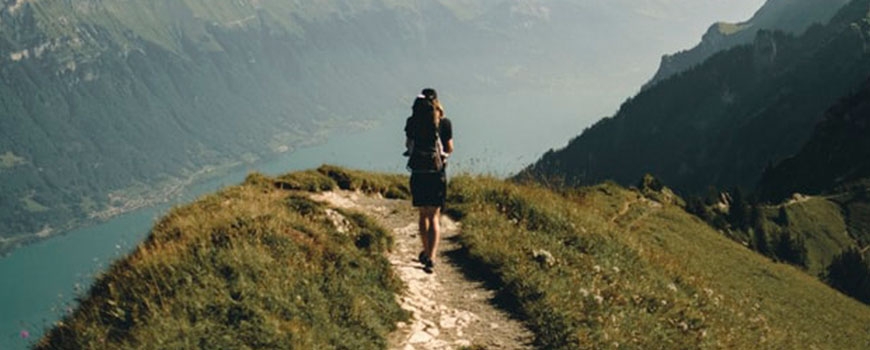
(791, 249)
(849, 273)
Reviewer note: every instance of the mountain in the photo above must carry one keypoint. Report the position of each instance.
(833, 164)
(107, 104)
(262, 265)
(837, 154)
(111, 105)
(792, 16)
(721, 123)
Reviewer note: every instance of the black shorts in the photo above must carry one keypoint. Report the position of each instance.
(429, 189)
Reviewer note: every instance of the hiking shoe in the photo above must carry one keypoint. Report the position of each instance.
(429, 266)
(422, 258)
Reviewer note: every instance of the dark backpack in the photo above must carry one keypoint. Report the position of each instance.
(426, 158)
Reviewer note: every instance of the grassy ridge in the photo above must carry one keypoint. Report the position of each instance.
(262, 266)
(605, 266)
(253, 266)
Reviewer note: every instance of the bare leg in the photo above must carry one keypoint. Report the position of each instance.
(434, 234)
(424, 225)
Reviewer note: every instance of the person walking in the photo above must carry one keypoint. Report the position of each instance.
(429, 140)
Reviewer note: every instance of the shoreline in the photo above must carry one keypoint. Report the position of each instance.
(165, 191)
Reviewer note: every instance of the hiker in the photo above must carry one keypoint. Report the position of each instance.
(429, 143)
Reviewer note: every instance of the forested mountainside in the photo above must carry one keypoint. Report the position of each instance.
(785, 15)
(834, 164)
(837, 154)
(721, 123)
(104, 100)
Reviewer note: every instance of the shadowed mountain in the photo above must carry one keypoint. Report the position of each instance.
(792, 16)
(837, 154)
(721, 123)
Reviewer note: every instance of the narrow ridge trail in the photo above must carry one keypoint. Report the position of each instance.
(448, 310)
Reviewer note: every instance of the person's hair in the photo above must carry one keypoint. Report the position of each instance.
(432, 95)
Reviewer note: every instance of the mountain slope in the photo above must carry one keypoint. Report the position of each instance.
(721, 123)
(598, 266)
(105, 100)
(111, 105)
(783, 15)
(834, 163)
(837, 154)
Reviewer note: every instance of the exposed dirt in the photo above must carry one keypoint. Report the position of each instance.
(450, 307)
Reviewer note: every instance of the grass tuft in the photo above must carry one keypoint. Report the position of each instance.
(626, 270)
(253, 266)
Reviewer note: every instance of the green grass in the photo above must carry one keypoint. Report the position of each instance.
(9, 160)
(819, 222)
(729, 28)
(261, 265)
(32, 206)
(253, 266)
(644, 275)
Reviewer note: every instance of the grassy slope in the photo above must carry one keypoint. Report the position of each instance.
(653, 277)
(259, 265)
(253, 266)
(820, 222)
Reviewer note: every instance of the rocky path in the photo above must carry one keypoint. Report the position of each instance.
(448, 309)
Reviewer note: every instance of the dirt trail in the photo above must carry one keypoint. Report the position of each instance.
(449, 311)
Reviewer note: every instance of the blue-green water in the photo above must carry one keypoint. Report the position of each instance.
(40, 281)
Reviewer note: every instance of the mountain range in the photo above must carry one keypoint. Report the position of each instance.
(723, 122)
(112, 105)
(783, 15)
(592, 263)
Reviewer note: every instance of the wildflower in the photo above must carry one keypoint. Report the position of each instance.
(24, 334)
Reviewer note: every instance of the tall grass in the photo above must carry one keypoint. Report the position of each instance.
(627, 271)
(253, 266)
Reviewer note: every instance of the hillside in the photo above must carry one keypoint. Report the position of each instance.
(721, 123)
(776, 15)
(834, 163)
(837, 154)
(264, 265)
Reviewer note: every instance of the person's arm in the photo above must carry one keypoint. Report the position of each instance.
(447, 132)
(448, 148)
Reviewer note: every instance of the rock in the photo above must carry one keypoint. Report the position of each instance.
(544, 257)
(434, 331)
(420, 337)
(447, 322)
(462, 343)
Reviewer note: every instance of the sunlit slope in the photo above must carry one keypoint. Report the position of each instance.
(603, 265)
(263, 266)
(253, 266)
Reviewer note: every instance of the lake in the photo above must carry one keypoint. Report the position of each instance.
(495, 137)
